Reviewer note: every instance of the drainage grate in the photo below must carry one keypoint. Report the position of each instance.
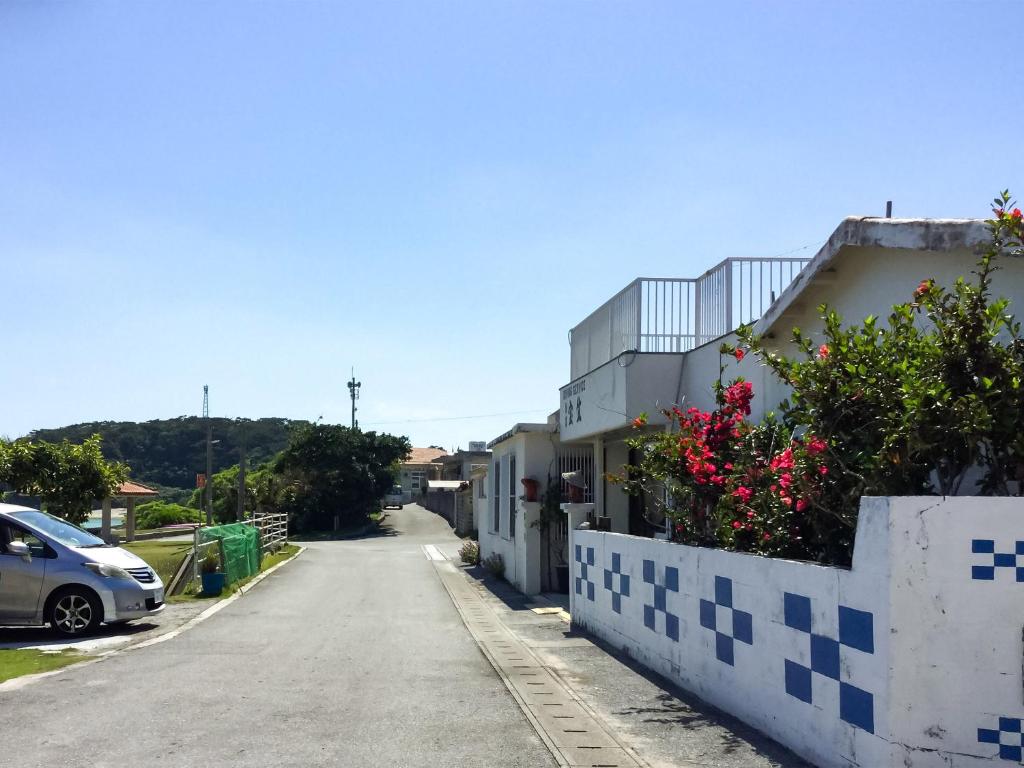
(570, 730)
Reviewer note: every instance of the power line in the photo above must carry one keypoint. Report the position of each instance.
(459, 418)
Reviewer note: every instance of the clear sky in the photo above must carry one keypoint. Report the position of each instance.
(259, 196)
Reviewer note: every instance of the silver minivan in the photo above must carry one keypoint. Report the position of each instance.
(54, 572)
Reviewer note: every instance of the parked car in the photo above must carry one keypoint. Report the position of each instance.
(53, 572)
(393, 498)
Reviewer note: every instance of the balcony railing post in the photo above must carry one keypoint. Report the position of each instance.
(727, 320)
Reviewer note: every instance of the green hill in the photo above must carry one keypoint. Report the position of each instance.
(168, 453)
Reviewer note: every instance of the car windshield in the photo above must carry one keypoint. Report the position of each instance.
(60, 530)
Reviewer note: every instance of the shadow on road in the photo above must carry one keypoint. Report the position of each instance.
(32, 637)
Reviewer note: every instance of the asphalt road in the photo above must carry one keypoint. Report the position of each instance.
(351, 655)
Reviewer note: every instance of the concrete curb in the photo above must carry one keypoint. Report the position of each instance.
(18, 683)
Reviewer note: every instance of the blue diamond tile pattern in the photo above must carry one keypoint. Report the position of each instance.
(1007, 736)
(741, 627)
(856, 632)
(992, 560)
(659, 603)
(616, 582)
(584, 584)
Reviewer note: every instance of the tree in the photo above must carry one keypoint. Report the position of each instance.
(67, 477)
(329, 470)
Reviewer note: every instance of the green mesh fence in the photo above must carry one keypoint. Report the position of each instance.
(239, 546)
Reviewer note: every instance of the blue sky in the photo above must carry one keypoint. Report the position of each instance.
(260, 195)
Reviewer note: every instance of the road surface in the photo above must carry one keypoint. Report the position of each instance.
(351, 655)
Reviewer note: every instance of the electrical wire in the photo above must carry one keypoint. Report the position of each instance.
(459, 418)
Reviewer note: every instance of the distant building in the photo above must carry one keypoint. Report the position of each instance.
(419, 467)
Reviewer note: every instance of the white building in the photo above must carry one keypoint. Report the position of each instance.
(656, 343)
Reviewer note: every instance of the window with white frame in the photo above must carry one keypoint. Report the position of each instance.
(511, 495)
(496, 495)
(417, 480)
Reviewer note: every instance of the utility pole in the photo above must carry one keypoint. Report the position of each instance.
(353, 392)
(240, 513)
(209, 455)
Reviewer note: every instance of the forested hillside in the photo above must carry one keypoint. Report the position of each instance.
(167, 453)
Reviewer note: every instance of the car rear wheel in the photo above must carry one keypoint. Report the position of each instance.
(74, 612)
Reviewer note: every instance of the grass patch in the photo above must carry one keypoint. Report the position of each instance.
(269, 562)
(164, 557)
(18, 662)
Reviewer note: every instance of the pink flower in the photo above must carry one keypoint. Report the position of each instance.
(744, 494)
(922, 288)
(822, 470)
(823, 351)
(786, 500)
(786, 480)
(816, 445)
(737, 524)
(801, 505)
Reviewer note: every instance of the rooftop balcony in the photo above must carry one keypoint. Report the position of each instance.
(677, 315)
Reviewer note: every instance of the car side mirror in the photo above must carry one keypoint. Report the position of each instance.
(19, 548)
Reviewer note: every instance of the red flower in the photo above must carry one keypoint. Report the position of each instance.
(786, 480)
(786, 500)
(822, 470)
(823, 351)
(923, 287)
(750, 514)
(783, 461)
(739, 354)
(738, 396)
(816, 445)
(1015, 214)
(767, 537)
(639, 421)
(737, 524)
(801, 505)
(744, 494)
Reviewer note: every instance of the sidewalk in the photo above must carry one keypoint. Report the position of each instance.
(662, 724)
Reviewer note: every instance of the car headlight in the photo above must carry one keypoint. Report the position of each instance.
(110, 571)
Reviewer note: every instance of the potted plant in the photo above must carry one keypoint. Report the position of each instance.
(530, 488)
(210, 573)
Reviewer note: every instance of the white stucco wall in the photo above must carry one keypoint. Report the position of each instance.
(910, 658)
(521, 552)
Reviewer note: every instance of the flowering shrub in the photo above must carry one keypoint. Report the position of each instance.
(912, 406)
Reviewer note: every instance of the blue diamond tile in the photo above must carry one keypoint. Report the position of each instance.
(798, 681)
(743, 627)
(856, 629)
(983, 545)
(607, 579)
(659, 598)
(825, 656)
(707, 614)
(1006, 752)
(724, 649)
(988, 736)
(723, 591)
(590, 590)
(590, 555)
(616, 602)
(616, 562)
(648, 571)
(983, 572)
(672, 626)
(857, 707)
(1002, 560)
(672, 578)
(797, 610)
(649, 616)
(624, 585)
(1009, 724)
(579, 553)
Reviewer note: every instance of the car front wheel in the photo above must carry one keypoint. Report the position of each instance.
(74, 612)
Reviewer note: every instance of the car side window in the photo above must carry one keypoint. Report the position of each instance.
(36, 545)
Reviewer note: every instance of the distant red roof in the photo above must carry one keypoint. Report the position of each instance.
(424, 455)
(129, 488)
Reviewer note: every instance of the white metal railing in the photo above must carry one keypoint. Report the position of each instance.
(678, 314)
(273, 528)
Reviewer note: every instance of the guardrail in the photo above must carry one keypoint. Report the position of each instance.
(654, 314)
(273, 528)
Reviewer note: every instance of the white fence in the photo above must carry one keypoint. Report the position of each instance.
(273, 528)
(910, 658)
(676, 315)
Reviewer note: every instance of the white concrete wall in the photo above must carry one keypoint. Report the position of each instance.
(521, 552)
(910, 658)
